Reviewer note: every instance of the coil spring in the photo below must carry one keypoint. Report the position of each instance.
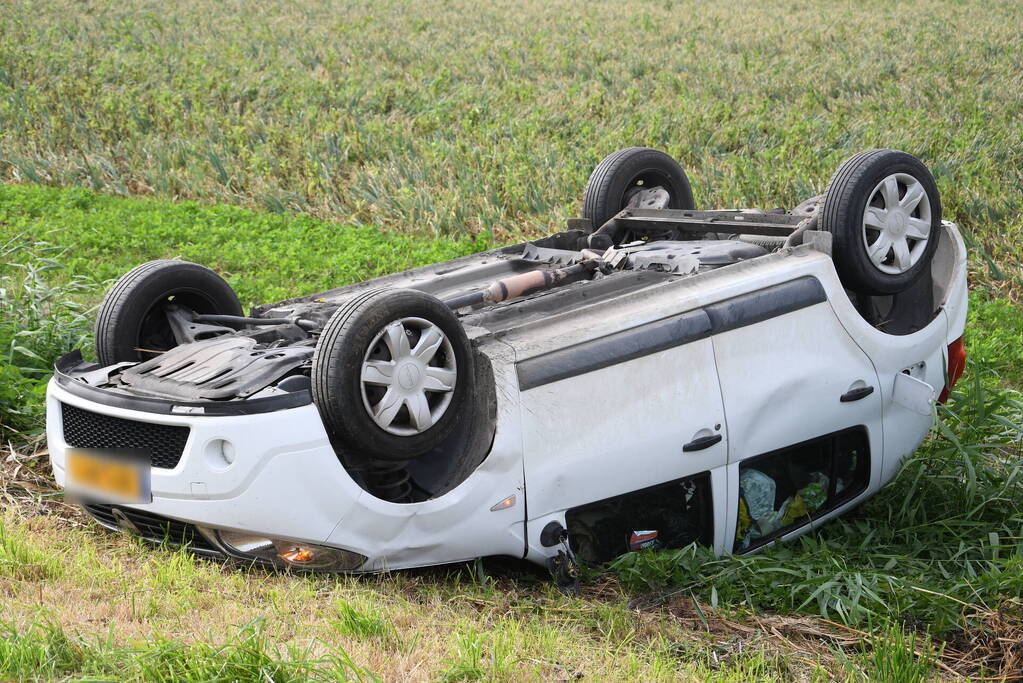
(390, 482)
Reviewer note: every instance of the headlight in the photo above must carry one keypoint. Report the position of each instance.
(285, 553)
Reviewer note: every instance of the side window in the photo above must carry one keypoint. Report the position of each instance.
(785, 489)
(669, 515)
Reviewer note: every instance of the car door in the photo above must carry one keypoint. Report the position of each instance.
(790, 380)
(627, 446)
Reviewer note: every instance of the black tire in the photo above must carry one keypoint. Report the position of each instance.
(337, 373)
(845, 202)
(608, 188)
(131, 315)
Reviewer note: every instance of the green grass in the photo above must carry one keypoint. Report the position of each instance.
(265, 257)
(126, 611)
(939, 550)
(47, 652)
(357, 622)
(449, 117)
(995, 336)
(20, 560)
(296, 147)
(480, 656)
(894, 655)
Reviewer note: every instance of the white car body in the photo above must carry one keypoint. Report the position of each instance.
(758, 353)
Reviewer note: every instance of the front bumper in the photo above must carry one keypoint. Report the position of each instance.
(208, 542)
(287, 483)
(285, 480)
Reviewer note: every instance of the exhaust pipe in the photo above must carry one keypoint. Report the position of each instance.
(523, 284)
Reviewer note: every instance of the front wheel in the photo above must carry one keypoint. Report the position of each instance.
(393, 373)
(884, 213)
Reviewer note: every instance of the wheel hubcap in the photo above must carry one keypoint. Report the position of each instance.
(408, 376)
(897, 223)
(647, 198)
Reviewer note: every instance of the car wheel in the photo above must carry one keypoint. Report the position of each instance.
(884, 213)
(392, 373)
(620, 176)
(132, 326)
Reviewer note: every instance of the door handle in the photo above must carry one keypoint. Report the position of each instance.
(701, 443)
(856, 394)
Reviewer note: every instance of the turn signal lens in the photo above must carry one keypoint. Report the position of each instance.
(956, 367)
(308, 556)
(297, 555)
(285, 553)
(504, 504)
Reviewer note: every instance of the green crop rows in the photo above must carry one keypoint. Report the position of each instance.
(296, 147)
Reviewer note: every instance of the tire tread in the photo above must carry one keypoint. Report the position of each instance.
(844, 189)
(606, 174)
(120, 296)
(331, 382)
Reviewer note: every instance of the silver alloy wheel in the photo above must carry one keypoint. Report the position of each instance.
(419, 378)
(640, 197)
(897, 223)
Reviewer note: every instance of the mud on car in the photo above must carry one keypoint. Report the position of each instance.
(652, 376)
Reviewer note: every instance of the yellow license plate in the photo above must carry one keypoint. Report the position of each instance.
(109, 475)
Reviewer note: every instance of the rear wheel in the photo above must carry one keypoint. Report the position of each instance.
(622, 176)
(393, 373)
(884, 213)
(132, 324)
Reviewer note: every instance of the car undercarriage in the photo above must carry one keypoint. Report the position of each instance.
(422, 380)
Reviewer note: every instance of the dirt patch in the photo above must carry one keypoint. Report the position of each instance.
(26, 483)
(994, 647)
(991, 650)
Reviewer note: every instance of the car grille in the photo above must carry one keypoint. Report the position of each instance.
(84, 429)
(152, 527)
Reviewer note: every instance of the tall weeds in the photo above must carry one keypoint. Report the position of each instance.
(40, 319)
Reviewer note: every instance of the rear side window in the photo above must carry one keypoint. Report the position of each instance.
(669, 515)
(783, 490)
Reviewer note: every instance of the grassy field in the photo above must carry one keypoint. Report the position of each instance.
(930, 567)
(452, 117)
(321, 143)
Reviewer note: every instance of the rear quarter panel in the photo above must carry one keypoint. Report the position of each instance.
(923, 355)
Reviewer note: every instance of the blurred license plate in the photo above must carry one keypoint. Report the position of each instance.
(109, 475)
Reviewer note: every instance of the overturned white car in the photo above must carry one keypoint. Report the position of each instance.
(651, 377)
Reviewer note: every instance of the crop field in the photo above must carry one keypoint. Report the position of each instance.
(297, 146)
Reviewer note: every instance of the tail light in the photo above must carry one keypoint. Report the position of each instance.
(956, 365)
